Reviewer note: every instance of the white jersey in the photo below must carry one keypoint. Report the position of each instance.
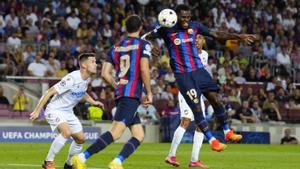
(204, 58)
(185, 110)
(70, 90)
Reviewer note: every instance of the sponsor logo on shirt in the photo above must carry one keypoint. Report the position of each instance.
(78, 94)
(178, 41)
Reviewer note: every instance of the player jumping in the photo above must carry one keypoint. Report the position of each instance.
(130, 58)
(192, 79)
(59, 112)
(187, 116)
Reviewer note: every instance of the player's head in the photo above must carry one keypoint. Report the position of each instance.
(184, 15)
(133, 24)
(200, 41)
(87, 61)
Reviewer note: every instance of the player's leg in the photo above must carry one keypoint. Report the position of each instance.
(133, 121)
(121, 121)
(131, 145)
(78, 140)
(59, 123)
(188, 86)
(57, 144)
(102, 142)
(210, 90)
(222, 116)
(178, 134)
(197, 143)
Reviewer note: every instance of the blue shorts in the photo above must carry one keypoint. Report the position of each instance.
(127, 111)
(193, 84)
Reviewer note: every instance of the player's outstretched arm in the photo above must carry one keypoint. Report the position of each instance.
(145, 74)
(89, 99)
(43, 100)
(152, 34)
(106, 74)
(221, 35)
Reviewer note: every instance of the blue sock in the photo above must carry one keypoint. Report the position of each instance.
(222, 117)
(128, 148)
(208, 135)
(203, 125)
(103, 141)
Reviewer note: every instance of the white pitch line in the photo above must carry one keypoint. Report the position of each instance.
(33, 165)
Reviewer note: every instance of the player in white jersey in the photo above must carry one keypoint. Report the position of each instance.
(187, 116)
(59, 112)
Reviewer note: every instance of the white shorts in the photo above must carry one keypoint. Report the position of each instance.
(185, 110)
(55, 118)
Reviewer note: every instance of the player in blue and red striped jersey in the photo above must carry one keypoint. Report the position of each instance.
(130, 59)
(192, 79)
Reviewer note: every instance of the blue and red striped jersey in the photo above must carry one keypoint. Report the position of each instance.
(181, 45)
(125, 56)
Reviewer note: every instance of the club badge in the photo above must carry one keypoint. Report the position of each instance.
(177, 41)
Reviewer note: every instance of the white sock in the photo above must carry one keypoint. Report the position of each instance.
(226, 131)
(118, 161)
(176, 140)
(73, 150)
(197, 144)
(212, 139)
(56, 146)
(82, 157)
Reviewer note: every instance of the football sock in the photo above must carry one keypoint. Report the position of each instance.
(197, 144)
(56, 146)
(203, 125)
(103, 141)
(128, 149)
(222, 118)
(178, 134)
(73, 150)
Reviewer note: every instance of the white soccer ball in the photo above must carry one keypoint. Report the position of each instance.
(167, 18)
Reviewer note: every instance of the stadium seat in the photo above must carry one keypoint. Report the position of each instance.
(4, 110)
(283, 112)
(294, 115)
(160, 104)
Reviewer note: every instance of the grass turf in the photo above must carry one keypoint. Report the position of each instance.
(151, 156)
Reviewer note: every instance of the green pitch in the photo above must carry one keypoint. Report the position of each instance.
(151, 156)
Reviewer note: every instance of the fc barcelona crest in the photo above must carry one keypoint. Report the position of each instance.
(190, 31)
(177, 41)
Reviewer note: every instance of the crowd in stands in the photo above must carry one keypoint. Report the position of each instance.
(43, 38)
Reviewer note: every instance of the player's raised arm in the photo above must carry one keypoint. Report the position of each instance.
(221, 35)
(43, 100)
(155, 33)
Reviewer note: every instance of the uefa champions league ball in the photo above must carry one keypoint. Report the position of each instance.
(167, 18)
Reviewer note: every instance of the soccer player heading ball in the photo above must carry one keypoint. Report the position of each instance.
(192, 79)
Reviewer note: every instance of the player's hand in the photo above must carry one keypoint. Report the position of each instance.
(34, 115)
(98, 103)
(249, 38)
(147, 100)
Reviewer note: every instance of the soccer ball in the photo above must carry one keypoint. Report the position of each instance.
(167, 18)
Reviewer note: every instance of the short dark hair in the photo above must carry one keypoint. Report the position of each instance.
(133, 23)
(85, 56)
(182, 7)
